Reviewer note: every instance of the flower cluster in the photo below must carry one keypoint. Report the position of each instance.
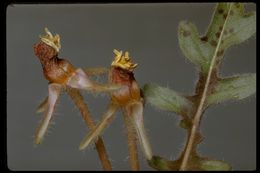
(122, 87)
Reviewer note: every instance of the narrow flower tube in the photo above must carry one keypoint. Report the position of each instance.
(43, 106)
(99, 128)
(80, 80)
(132, 143)
(135, 114)
(54, 92)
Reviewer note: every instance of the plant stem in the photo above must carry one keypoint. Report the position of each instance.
(200, 109)
(132, 146)
(79, 102)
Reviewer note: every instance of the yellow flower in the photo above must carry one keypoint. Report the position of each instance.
(123, 61)
(53, 41)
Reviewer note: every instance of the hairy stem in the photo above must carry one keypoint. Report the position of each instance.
(79, 102)
(200, 109)
(132, 146)
(99, 128)
(96, 71)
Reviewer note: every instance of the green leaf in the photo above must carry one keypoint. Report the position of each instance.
(196, 163)
(214, 165)
(236, 88)
(159, 163)
(239, 27)
(166, 99)
(199, 50)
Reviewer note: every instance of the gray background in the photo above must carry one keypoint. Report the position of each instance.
(89, 33)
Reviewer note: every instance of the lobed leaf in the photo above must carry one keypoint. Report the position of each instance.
(166, 99)
(239, 27)
(236, 88)
(199, 50)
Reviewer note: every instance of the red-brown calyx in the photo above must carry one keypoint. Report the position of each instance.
(55, 70)
(130, 90)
